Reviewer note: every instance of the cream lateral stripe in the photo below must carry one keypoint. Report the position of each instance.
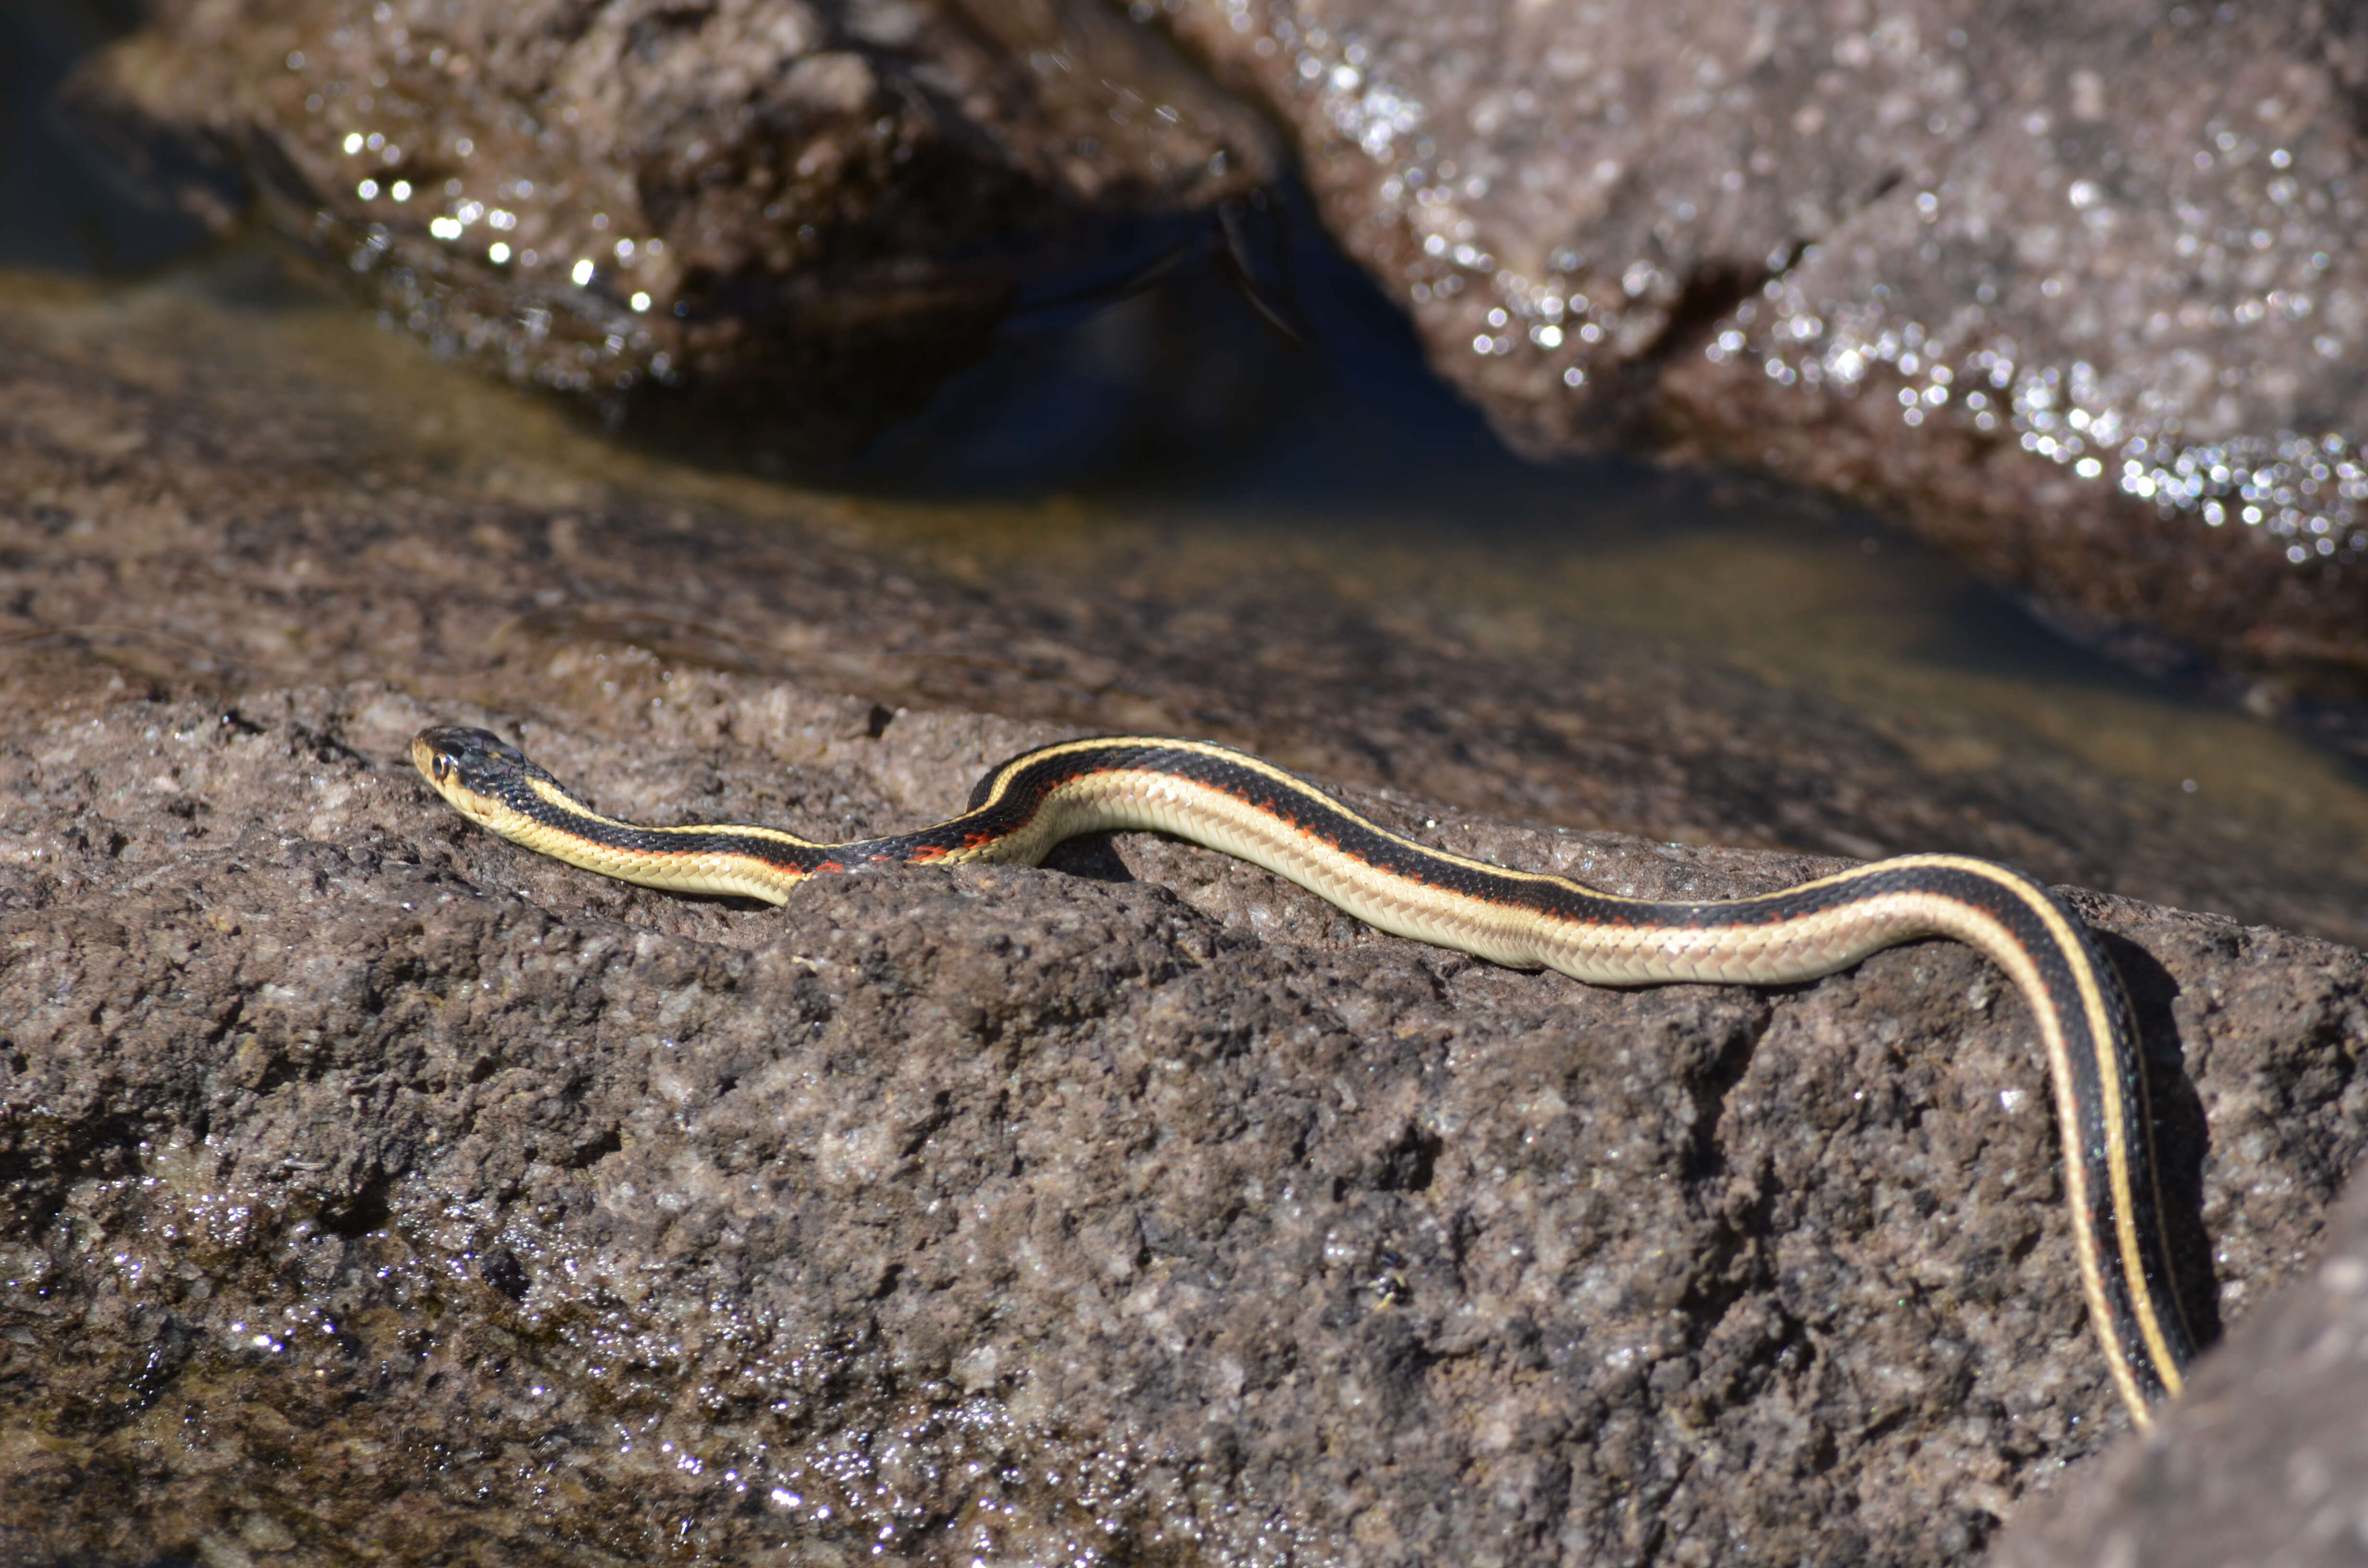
(1217, 820)
(560, 800)
(1248, 808)
(1981, 931)
(2122, 1121)
(2119, 1117)
(1850, 935)
(1285, 783)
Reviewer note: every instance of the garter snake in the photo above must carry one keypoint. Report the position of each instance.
(1245, 807)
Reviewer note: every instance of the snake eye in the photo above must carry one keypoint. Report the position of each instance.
(443, 767)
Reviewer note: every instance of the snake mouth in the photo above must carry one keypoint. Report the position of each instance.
(463, 762)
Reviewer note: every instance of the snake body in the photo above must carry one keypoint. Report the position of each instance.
(1248, 808)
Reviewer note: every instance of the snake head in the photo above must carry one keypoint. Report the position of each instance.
(463, 763)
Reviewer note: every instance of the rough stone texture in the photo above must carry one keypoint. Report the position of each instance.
(2266, 1459)
(370, 1189)
(797, 214)
(2078, 290)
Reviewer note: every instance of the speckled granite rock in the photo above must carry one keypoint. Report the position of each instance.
(2078, 290)
(798, 215)
(370, 1189)
(2265, 1460)
(373, 1187)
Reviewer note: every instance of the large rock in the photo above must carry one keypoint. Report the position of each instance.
(374, 1189)
(2264, 1460)
(371, 1189)
(2076, 289)
(799, 216)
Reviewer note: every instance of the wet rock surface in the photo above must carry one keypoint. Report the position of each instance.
(800, 216)
(2265, 1460)
(2075, 290)
(370, 1188)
